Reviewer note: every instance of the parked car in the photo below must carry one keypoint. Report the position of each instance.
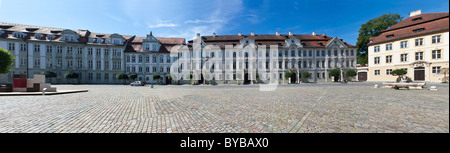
(137, 83)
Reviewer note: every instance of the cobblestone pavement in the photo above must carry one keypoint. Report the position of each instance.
(332, 108)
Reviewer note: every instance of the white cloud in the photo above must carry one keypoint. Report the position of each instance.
(205, 21)
(162, 25)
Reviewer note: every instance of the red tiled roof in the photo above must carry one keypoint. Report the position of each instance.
(430, 22)
(306, 40)
(135, 45)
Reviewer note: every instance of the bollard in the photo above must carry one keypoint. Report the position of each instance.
(43, 91)
(152, 84)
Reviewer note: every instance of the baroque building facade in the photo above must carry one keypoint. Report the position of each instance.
(230, 59)
(419, 44)
(97, 58)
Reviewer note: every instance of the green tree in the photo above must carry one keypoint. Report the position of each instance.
(288, 76)
(336, 73)
(49, 75)
(132, 76)
(305, 75)
(6, 60)
(400, 73)
(156, 77)
(71, 75)
(122, 76)
(373, 28)
(350, 73)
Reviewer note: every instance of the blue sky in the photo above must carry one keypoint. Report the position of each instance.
(185, 18)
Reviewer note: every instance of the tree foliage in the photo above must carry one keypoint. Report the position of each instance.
(132, 76)
(156, 77)
(350, 73)
(373, 28)
(49, 74)
(399, 72)
(287, 74)
(122, 76)
(305, 75)
(6, 60)
(71, 74)
(336, 73)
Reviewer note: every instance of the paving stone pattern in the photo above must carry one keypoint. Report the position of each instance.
(324, 108)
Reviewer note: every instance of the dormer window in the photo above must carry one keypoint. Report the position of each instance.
(389, 36)
(117, 42)
(107, 41)
(418, 30)
(37, 36)
(91, 40)
(50, 37)
(99, 40)
(417, 19)
(292, 41)
(147, 47)
(19, 35)
(2, 32)
(154, 47)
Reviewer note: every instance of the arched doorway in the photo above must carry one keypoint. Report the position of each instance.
(246, 80)
(419, 74)
(294, 77)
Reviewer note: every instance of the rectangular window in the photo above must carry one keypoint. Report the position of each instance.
(80, 63)
(98, 51)
(389, 72)
(317, 53)
(37, 48)
(310, 53)
(99, 64)
(419, 42)
(436, 39)
(140, 59)
(376, 49)
(389, 59)
(437, 69)
(11, 46)
(404, 44)
(49, 49)
(388, 47)
(377, 60)
(37, 62)
(99, 76)
(292, 53)
(79, 50)
(419, 56)
(403, 57)
(90, 51)
(323, 52)
(90, 64)
(377, 72)
(69, 51)
(436, 54)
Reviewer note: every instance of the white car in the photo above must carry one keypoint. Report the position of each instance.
(137, 83)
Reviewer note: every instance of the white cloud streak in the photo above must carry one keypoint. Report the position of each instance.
(162, 25)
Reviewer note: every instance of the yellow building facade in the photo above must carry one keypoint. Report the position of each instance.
(420, 47)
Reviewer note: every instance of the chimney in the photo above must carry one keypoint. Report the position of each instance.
(291, 33)
(198, 35)
(214, 34)
(239, 33)
(278, 33)
(414, 13)
(314, 33)
(253, 33)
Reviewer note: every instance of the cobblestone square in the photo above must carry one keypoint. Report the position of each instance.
(301, 108)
